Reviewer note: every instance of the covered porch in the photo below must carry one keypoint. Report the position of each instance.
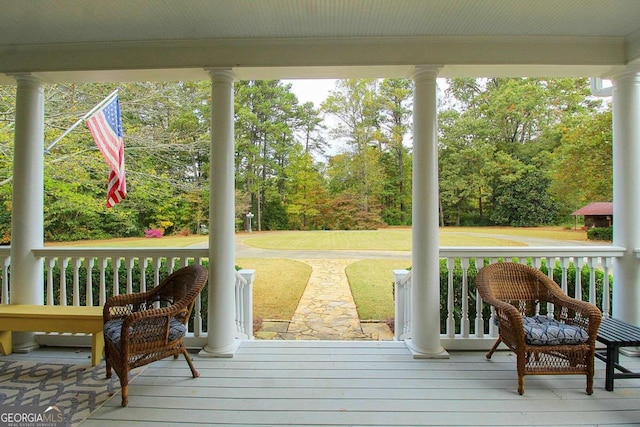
(48, 42)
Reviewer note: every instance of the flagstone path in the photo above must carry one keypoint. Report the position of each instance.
(326, 310)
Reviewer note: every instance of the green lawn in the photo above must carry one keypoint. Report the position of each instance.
(399, 239)
(276, 295)
(371, 284)
(137, 242)
(392, 239)
(387, 239)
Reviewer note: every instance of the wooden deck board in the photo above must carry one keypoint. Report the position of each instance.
(361, 384)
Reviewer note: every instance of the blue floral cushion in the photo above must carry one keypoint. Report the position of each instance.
(113, 330)
(543, 330)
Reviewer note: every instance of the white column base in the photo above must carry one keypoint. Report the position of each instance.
(228, 351)
(419, 353)
(23, 342)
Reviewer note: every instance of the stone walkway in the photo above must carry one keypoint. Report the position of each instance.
(326, 310)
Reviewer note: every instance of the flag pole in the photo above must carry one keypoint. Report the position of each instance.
(75, 125)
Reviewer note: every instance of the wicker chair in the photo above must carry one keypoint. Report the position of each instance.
(518, 292)
(148, 326)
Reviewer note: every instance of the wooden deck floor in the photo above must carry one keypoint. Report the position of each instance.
(329, 383)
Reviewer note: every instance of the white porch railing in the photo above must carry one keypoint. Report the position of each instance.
(464, 306)
(97, 273)
(465, 326)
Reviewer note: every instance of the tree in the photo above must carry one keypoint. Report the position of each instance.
(265, 115)
(519, 121)
(306, 192)
(523, 200)
(396, 113)
(354, 103)
(583, 163)
(309, 124)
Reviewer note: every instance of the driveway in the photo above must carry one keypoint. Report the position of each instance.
(246, 251)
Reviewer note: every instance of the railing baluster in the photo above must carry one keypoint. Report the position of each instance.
(536, 262)
(479, 316)
(143, 262)
(551, 265)
(76, 281)
(464, 317)
(451, 321)
(115, 262)
(129, 262)
(103, 282)
(578, 263)
(592, 279)
(606, 303)
(564, 280)
(51, 262)
(63, 262)
(88, 265)
(157, 264)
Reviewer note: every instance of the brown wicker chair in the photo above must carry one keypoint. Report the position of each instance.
(148, 326)
(516, 291)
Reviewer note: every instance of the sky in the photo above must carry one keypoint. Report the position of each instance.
(316, 91)
(312, 90)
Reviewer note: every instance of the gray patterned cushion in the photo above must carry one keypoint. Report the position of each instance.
(113, 330)
(543, 330)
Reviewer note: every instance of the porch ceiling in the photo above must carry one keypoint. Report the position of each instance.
(76, 40)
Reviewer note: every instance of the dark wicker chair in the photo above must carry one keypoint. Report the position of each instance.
(148, 326)
(517, 292)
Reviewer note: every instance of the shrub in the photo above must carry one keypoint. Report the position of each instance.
(152, 233)
(600, 233)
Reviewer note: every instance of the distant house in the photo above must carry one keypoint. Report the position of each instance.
(599, 214)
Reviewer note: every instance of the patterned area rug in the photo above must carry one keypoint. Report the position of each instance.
(76, 390)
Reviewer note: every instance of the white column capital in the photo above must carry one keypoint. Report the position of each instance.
(425, 72)
(221, 74)
(27, 79)
(630, 75)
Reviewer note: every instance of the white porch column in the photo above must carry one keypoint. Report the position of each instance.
(221, 340)
(425, 291)
(626, 193)
(27, 217)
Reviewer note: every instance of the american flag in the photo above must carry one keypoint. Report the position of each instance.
(105, 126)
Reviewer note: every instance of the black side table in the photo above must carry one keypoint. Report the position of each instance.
(614, 334)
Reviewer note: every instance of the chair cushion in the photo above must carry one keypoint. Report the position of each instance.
(544, 330)
(113, 330)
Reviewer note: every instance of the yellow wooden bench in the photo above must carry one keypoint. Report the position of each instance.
(52, 318)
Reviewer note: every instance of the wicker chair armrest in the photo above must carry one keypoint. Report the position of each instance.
(510, 322)
(577, 312)
(508, 312)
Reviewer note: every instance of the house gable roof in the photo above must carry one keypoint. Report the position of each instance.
(598, 208)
